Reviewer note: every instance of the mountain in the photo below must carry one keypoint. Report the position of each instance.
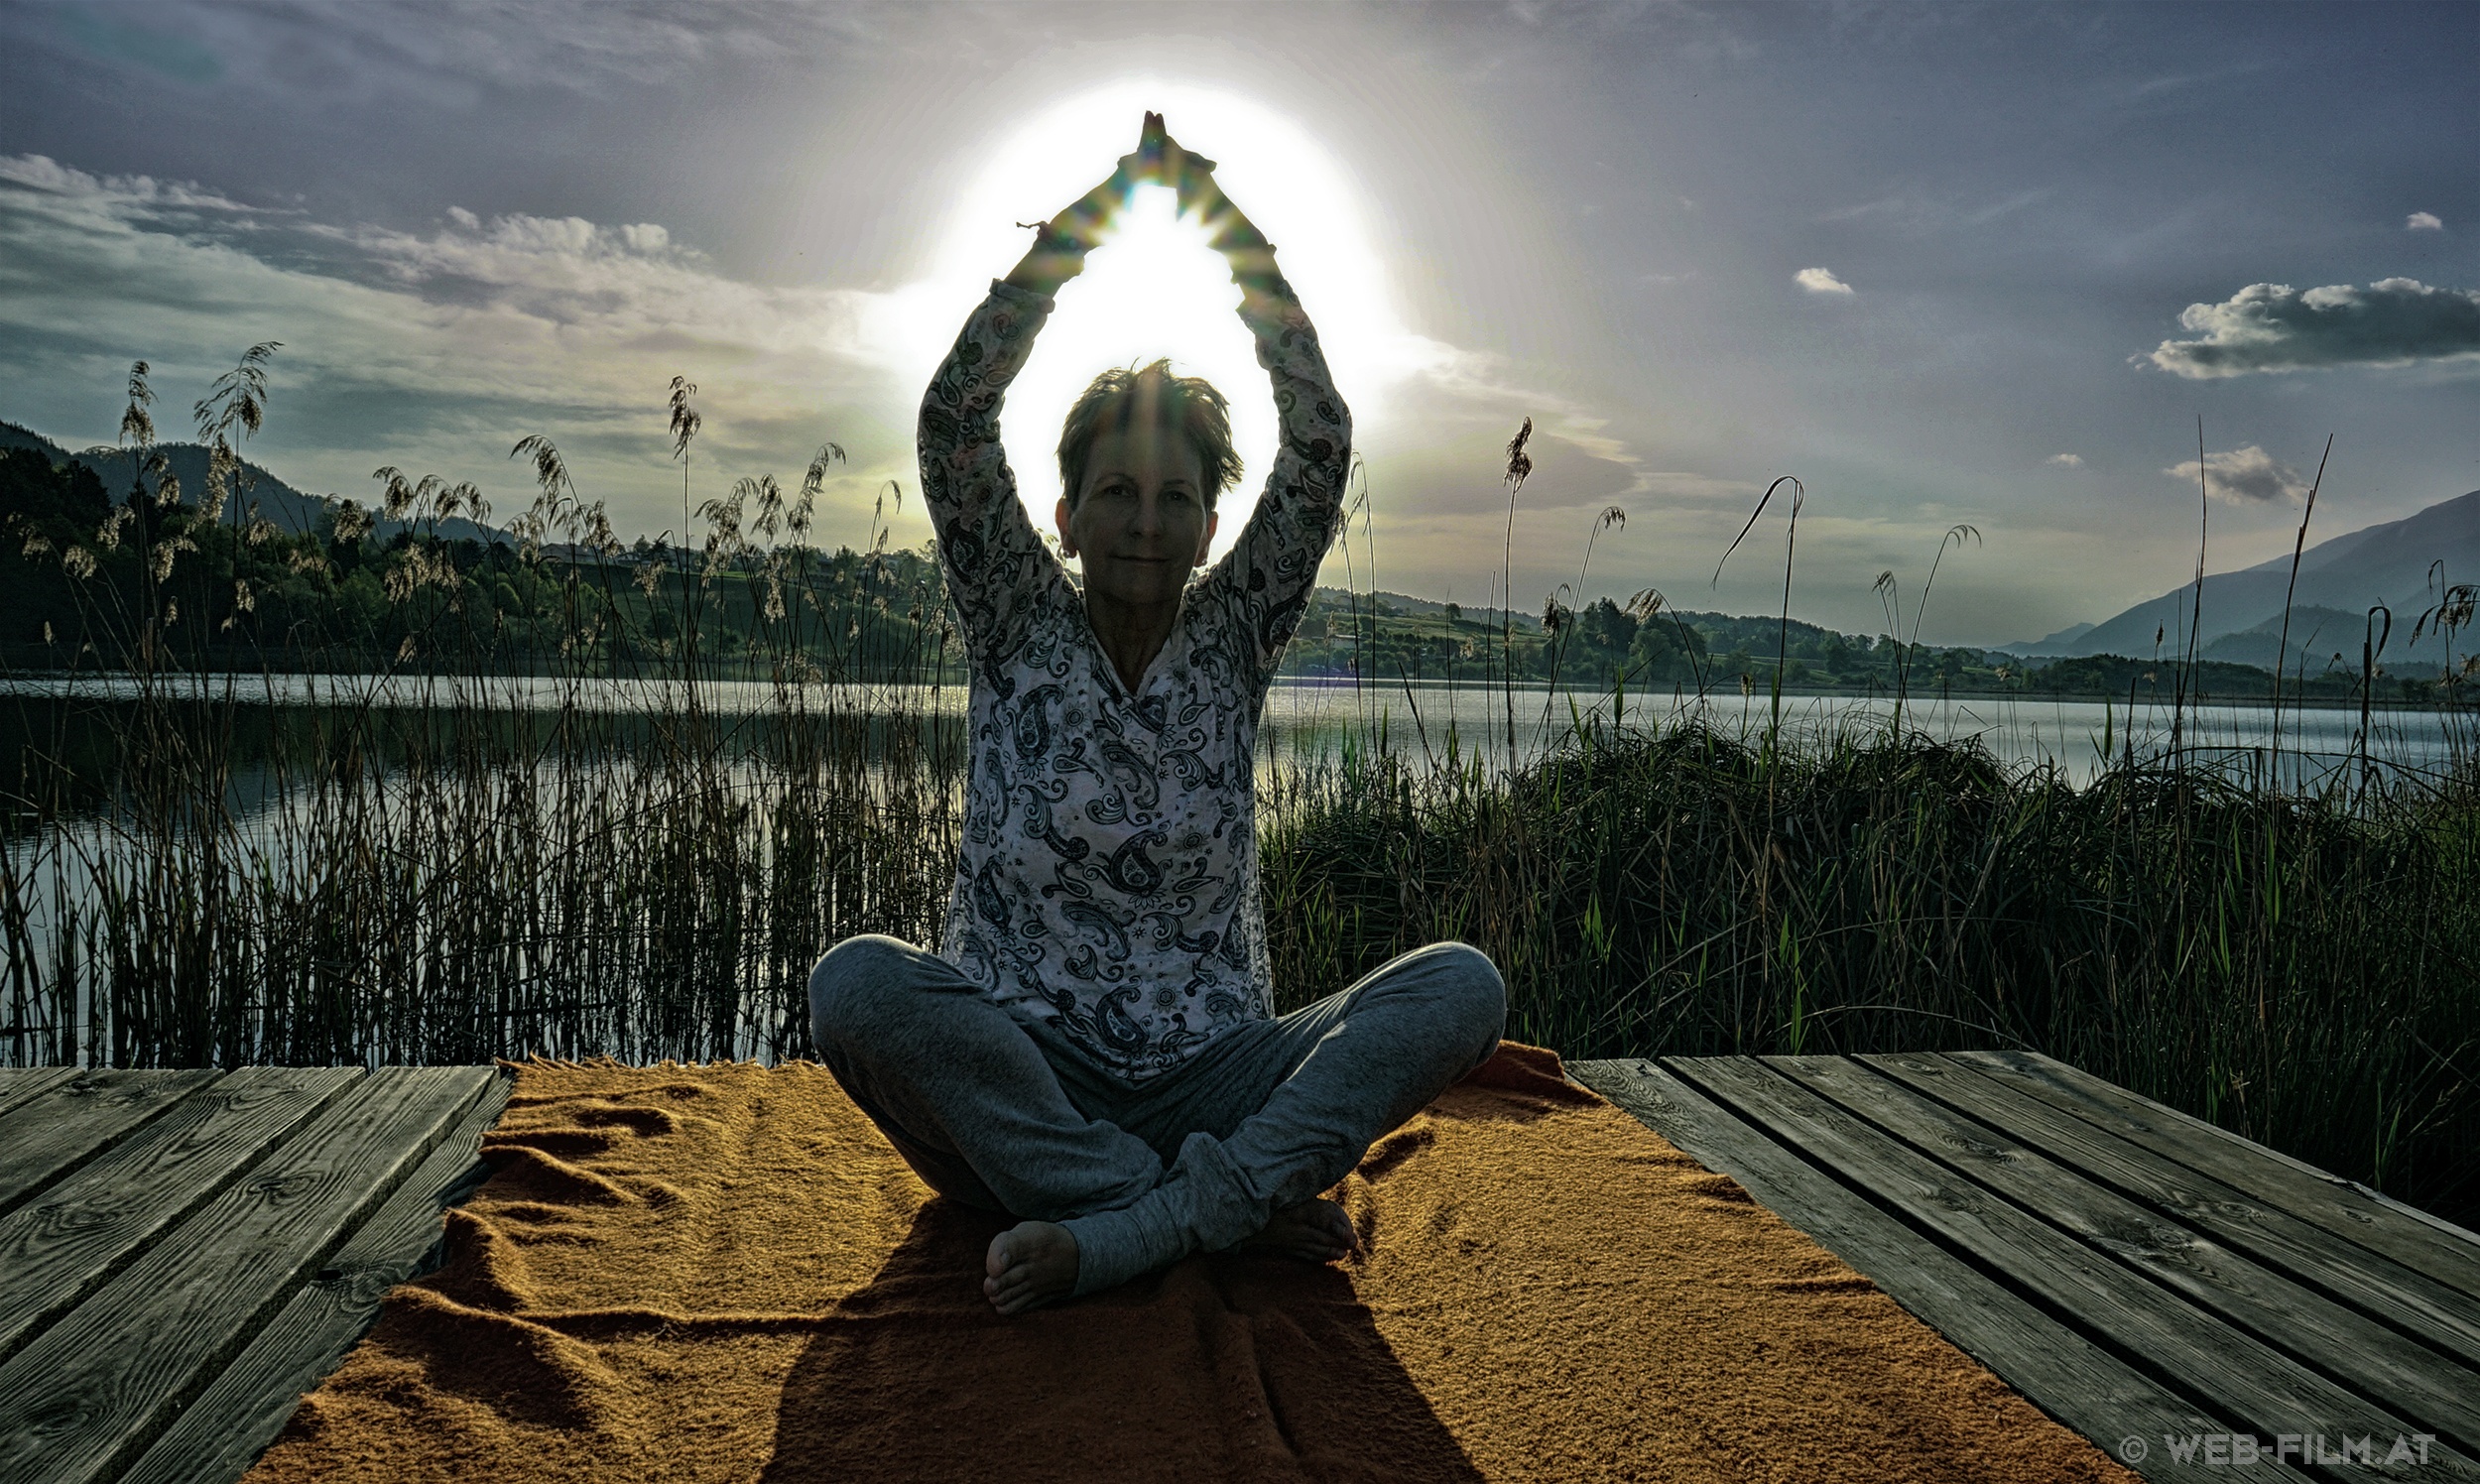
(2387, 563)
(293, 511)
(1405, 603)
(2060, 643)
(2317, 635)
(14, 436)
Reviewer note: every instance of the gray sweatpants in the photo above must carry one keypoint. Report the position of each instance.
(1006, 1115)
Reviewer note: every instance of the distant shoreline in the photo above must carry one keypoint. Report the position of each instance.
(1917, 697)
(98, 684)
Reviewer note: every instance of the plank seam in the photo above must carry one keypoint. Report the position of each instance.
(1993, 1324)
(106, 1146)
(2442, 1242)
(2136, 1359)
(2271, 1247)
(2215, 1130)
(2438, 1407)
(94, 1281)
(33, 1083)
(2004, 1277)
(198, 1450)
(134, 1443)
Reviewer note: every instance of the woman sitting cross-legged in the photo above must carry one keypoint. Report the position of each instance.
(1093, 1051)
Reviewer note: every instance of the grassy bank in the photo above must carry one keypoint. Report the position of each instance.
(2302, 969)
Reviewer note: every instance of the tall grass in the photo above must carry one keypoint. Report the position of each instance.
(500, 881)
(2304, 969)
(450, 858)
(194, 875)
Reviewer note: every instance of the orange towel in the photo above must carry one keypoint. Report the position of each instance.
(721, 1273)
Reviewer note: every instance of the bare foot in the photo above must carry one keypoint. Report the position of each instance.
(1030, 1264)
(1314, 1231)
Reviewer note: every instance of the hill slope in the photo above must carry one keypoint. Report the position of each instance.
(2387, 563)
(293, 511)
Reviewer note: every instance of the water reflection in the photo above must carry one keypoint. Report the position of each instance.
(2079, 738)
(1306, 720)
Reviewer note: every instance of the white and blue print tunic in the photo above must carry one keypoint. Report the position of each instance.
(1108, 878)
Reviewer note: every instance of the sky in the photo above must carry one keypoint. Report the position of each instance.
(1979, 265)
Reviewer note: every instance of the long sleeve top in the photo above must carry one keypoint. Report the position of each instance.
(1107, 882)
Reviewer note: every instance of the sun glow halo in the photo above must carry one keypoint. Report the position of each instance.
(1155, 288)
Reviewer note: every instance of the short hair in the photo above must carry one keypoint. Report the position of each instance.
(1113, 401)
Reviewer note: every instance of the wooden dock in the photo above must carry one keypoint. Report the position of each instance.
(2162, 1287)
(184, 1253)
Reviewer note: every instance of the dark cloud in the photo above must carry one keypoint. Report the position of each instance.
(569, 44)
(2276, 328)
(113, 37)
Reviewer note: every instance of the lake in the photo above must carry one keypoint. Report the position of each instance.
(567, 882)
(1309, 719)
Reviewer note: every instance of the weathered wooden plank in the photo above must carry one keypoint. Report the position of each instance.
(82, 1398)
(220, 1434)
(2230, 1372)
(19, 1084)
(2369, 1358)
(2414, 1302)
(61, 1129)
(2347, 1208)
(61, 1244)
(2066, 1375)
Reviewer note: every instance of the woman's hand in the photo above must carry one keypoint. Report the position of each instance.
(1061, 244)
(1059, 247)
(1160, 159)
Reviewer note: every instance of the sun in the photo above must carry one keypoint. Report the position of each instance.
(1155, 288)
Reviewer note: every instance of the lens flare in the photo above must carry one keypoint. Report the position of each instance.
(1155, 288)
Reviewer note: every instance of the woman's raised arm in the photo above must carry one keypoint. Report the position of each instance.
(1269, 572)
(996, 563)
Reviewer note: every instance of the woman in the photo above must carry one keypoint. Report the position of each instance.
(1093, 1051)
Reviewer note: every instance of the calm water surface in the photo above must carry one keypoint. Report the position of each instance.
(1310, 719)
(1304, 722)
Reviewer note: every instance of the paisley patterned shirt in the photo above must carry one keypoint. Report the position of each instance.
(1108, 877)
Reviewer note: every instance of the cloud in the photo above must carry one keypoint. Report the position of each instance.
(1918, 214)
(1447, 387)
(432, 350)
(123, 194)
(2423, 221)
(434, 51)
(2244, 476)
(2066, 460)
(2276, 328)
(436, 348)
(1820, 280)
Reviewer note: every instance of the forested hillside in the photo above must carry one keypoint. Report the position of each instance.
(156, 569)
(155, 578)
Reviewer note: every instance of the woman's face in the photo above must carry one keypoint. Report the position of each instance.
(1141, 523)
